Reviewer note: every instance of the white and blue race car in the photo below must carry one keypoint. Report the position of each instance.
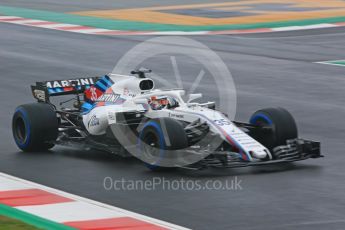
(126, 115)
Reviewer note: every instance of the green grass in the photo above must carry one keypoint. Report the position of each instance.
(7, 223)
(340, 62)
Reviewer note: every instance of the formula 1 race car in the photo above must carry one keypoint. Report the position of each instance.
(125, 114)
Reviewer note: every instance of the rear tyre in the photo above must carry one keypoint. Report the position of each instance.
(153, 140)
(34, 127)
(282, 124)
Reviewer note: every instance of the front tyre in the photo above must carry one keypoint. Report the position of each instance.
(157, 137)
(35, 127)
(282, 124)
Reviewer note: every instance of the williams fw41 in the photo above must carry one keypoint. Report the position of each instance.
(126, 115)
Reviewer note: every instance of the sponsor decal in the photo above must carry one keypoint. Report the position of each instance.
(108, 97)
(68, 83)
(222, 122)
(174, 115)
(94, 121)
(93, 93)
(126, 92)
(111, 117)
(39, 95)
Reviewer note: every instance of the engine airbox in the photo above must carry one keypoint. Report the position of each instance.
(131, 84)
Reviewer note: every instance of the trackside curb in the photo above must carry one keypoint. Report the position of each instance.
(50, 208)
(102, 31)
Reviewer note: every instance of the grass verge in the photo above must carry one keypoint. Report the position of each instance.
(7, 223)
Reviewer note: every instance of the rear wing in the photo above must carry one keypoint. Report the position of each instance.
(43, 90)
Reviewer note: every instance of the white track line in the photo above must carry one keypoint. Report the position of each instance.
(8, 17)
(26, 21)
(327, 63)
(178, 33)
(308, 27)
(57, 26)
(88, 31)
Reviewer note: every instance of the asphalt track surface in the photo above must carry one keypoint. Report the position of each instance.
(268, 70)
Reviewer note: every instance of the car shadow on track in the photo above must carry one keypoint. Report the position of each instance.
(114, 161)
(267, 169)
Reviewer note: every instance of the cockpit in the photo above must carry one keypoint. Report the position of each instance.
(161, 102)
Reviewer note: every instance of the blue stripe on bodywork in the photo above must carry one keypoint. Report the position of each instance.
(101, 86)
(59, 90)
(86, 107)
(106, 81)
(51, 91)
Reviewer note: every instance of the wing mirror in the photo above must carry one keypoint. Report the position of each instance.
(194, 96)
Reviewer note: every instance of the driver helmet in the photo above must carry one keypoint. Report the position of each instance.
(172, 103)
(158, 102)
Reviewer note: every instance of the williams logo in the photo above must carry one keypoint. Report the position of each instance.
(94, 121)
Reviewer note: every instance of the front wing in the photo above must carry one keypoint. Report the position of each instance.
(294, 150)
